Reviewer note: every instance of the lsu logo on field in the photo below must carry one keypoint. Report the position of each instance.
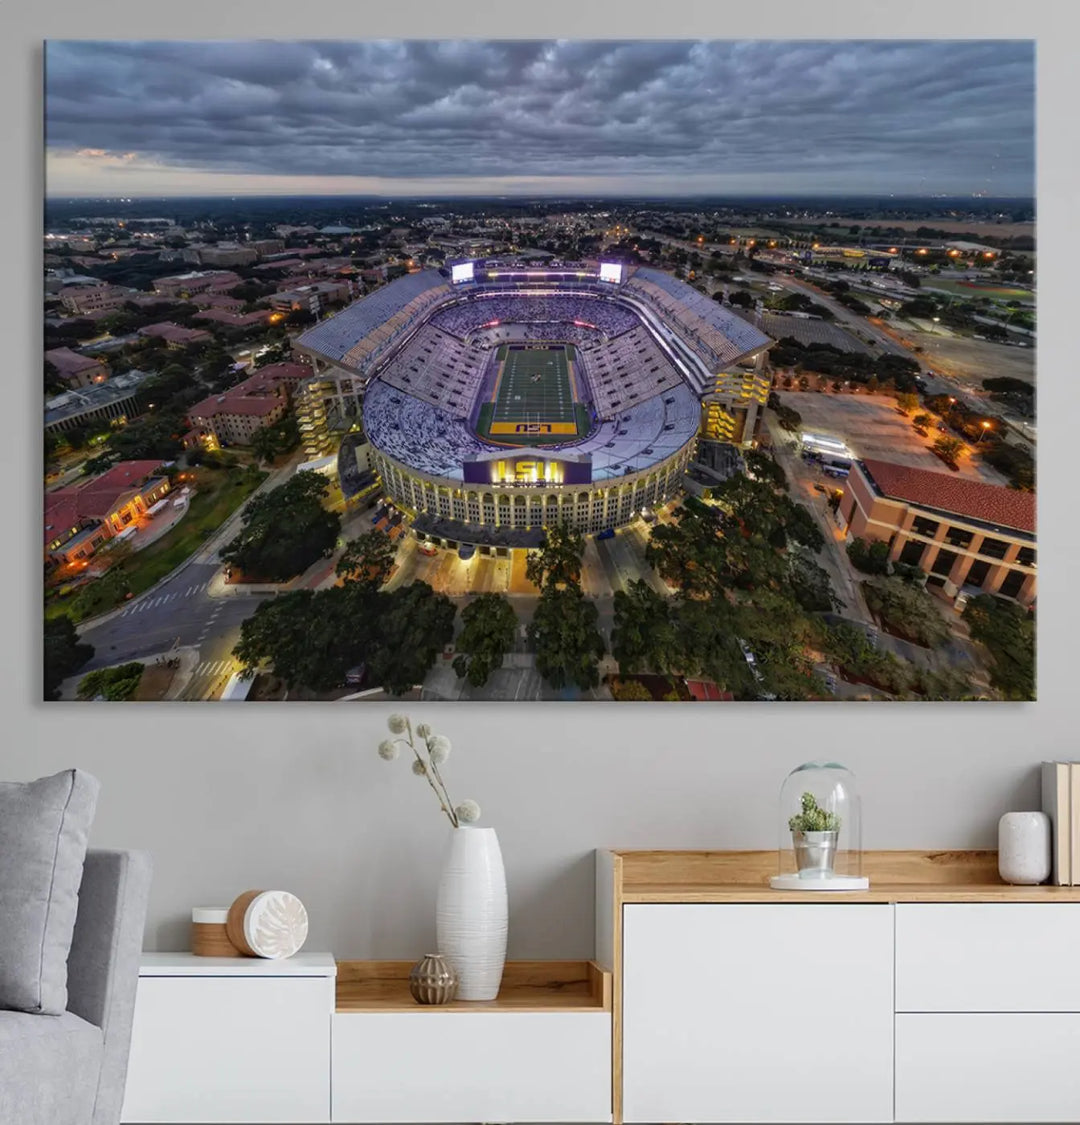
(532, 428)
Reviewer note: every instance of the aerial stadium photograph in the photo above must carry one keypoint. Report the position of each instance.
(560, 370)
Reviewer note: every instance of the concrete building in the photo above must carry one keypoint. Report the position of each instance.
(112, 402)
(77, 370)
(88, 300)
(174, 335)
(313, 296)
(233, 417)
(81, 517)
(966, 535)
(228, 254)
(195, 281)
(265, 246)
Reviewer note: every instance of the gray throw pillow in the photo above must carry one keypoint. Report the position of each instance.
(44, 827)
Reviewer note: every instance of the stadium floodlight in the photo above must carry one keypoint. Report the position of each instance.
(461, 271)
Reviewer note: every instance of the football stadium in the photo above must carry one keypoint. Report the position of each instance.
(496, 400)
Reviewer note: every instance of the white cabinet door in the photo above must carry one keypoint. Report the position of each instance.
(230, 1049)
(472, 1066)
(982, 1067)
(988, 957)
(758, 1013)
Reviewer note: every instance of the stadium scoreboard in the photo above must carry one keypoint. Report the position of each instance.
(611, 271)
(461, 271)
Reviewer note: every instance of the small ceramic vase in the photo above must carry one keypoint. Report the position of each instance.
(1024, 848)
(432, 980)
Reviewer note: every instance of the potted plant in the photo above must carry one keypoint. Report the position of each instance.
(814, 835)
(471, 907)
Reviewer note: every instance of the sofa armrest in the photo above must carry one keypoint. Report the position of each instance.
(103, 966)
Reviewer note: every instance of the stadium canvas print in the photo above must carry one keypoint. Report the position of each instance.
(543, 370)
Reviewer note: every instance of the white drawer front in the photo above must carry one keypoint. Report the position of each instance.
(748, 1013)
(472, 1066)
(988, 957)
(230, 1049)
(982, 1068)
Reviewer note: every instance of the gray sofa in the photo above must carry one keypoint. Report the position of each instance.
(70, 1069)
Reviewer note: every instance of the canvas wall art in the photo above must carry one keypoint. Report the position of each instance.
(458, 370)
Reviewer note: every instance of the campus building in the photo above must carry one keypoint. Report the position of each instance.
(77, 370)
(966, 535)
(111, 403)
(93, 300)
(81, 517)
(195, 281)
(233, 417)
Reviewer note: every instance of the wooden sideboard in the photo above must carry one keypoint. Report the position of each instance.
(939, 994)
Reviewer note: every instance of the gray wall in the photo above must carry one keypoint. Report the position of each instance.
(294, 796)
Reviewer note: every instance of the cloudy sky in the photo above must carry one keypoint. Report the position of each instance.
(501, 117)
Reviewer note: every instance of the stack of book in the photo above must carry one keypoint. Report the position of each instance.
(1061, 802)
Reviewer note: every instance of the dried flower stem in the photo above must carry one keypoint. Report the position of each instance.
(449, 803)
(430, 768)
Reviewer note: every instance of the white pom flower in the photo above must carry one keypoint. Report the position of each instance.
(468, 812)
(388, 750)
(423, 730)
(398, 723)
(439, 749)
(419, 768)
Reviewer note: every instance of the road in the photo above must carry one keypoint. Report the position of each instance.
(177, 613)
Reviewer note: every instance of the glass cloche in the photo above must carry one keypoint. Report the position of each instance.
(820, 830)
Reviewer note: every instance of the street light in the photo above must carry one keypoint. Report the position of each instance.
(985, 430)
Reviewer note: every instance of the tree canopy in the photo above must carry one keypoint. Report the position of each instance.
(65, 654)
(558, 560)
(490, 626)
(567, 643)
(285, 530)
(367, 559)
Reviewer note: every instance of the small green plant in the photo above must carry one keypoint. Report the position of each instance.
(812, 818)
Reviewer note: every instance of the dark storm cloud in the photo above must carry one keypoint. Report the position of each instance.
(885, 115)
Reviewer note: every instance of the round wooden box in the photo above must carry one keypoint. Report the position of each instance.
(209, 937)
(270, 924)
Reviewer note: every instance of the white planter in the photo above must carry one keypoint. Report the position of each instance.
(1024, 848)
(470, 912)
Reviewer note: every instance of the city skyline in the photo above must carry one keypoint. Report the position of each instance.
(464, 117)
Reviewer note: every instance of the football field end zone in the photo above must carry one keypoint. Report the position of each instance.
(533, 428)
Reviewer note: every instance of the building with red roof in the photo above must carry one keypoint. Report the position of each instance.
(174, 335)
(233, 417)
(79, 518)
(965, 534)
(77, 370)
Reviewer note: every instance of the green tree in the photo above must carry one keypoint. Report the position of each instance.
(630, 691)
(285, 530)
(309, 639)
(906, 610)
(488, 635)
(761, 466)
(414, 625)
(367, 559)
(557, 562)
(948, 448)
(922, 421)
(871, 557)
(907, 402)
(563, 632)
(1008, 631)
(644, 637)
(65, 654)
(115, 684)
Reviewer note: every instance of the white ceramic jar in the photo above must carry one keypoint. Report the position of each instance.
(1024, 848)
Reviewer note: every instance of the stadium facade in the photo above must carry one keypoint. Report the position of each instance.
(624, 368)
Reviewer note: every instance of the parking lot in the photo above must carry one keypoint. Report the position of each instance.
(872, 427)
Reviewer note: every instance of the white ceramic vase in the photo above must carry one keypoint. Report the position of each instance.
(1024, 848)
(470, 912)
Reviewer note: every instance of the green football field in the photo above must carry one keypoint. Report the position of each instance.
(535, 400)
(534, 386)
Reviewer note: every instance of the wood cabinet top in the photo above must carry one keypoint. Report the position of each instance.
(743, 876)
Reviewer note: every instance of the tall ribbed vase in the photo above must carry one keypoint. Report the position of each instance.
(470, 912)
